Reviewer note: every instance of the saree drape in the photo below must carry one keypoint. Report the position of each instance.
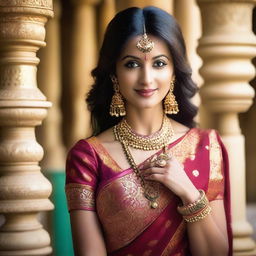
(95, 182)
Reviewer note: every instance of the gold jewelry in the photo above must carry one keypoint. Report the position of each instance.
(198, 216)
(127, 137)
(194, 207)
(149, 192)
(170, 103)
(161, 160)
(117, 107)
(157, 140)
(145, 44)
(161, 163)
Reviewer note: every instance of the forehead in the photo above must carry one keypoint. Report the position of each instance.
(160, 47)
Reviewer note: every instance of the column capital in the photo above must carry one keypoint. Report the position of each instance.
(42, 7)
(220, 16)
(227, 45)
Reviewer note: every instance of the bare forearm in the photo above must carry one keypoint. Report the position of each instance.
(207, 234)
(206, 239)
(87, 236)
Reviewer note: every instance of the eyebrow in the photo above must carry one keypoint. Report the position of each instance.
(137, 58)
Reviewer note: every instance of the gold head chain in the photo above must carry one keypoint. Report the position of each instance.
(145, 44)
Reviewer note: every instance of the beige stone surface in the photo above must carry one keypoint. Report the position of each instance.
(166, 5)
(24, 191)
(227, 46)
(49, 81)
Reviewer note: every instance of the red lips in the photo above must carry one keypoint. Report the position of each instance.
(145, 92)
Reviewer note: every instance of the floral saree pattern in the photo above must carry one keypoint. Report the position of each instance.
(95, 182)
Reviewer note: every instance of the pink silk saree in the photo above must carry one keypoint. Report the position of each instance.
(95, 182)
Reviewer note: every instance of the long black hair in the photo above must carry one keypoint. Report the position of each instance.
(125, 25)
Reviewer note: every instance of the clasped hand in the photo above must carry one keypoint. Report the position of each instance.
(173, 176)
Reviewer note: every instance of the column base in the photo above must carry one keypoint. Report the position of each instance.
(244, 247)
(251, 253)
(39, 252)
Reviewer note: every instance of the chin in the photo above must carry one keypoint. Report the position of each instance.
(150, 106)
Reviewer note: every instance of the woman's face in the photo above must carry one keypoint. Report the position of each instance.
(144, 78)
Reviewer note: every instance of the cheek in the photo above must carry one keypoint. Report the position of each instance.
(127, 80)
(164, 78)
(125, 84)
(167, 74)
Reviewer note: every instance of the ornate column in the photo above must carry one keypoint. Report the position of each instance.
(50, 136)
(24, 191)
(227, 47)
(82, 59)
(187, 14)
(166, 5)
(49, 81)
(107, 11)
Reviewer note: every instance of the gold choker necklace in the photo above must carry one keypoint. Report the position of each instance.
(154, 141)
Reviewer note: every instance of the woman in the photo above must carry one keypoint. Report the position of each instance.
(147, 182)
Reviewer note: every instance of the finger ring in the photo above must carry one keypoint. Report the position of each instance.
(161, 162)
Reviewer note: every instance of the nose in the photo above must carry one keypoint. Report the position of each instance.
(146, 77)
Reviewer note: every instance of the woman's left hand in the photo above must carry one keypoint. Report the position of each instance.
(174, 177)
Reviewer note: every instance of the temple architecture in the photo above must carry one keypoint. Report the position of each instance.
(43, 112)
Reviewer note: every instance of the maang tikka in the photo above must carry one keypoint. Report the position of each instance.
(145, 44)
(117, 107)
(170, 103)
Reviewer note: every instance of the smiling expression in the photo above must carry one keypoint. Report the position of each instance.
(144, 78)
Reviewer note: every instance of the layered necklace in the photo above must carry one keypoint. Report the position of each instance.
(160, 139)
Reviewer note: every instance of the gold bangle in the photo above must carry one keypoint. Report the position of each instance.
(199, 216)
(196, 206)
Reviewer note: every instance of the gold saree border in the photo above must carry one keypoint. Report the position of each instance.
(216, 179)
(103, 154)
(177, 237)
(80, 196)
(187, 147)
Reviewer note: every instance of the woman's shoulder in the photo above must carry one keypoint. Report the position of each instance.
(199, 133)
(181, 128)
(90, 142)
(106, 136)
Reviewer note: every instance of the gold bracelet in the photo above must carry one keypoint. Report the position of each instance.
(196, 206)
(198, 216)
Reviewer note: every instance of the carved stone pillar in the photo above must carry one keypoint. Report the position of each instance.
(166, 5)
(24, 191)
(83, 51)
(49, 81)
(227, 47)
(187, 14)
(107, 11)
(50, 136)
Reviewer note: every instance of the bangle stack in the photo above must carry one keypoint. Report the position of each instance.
(196, 211)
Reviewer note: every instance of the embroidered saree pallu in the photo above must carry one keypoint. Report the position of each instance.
(95, 182)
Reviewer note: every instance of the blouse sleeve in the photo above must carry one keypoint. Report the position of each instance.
(218, 167)
(81, 177)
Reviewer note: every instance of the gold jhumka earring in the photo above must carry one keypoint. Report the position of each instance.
(117, 107)
(170, 103)
(145, 44)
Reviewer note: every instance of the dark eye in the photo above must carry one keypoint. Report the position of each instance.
(131, 64)
(159, 64)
